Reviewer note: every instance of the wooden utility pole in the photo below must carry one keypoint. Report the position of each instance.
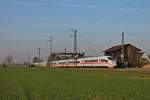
(65, 50)
(122, 51)
(39, 54)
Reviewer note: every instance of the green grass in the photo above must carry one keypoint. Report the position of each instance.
(73, 84)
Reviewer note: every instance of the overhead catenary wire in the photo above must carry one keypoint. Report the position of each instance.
(109, 13)
(135, 10)
(125, 15)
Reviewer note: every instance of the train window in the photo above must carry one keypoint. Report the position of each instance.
(77, 62)
(104, 60)
(95, 60)
(110, 58)
(73, 62)
(62, 62)
(70, 62)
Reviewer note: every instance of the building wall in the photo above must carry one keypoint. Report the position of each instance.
(131, 55)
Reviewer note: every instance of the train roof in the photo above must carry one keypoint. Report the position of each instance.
(87, 58)
(98, 57)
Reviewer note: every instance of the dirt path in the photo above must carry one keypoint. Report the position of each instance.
(147, 66)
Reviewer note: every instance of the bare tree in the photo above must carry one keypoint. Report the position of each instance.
(9, 59)
(35, 60)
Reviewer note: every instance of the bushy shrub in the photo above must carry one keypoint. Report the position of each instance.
(143, 61)
(4, 65)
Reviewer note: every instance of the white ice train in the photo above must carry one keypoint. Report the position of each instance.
(103, 61)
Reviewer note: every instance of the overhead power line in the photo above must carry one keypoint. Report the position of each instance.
(110, 13)
(125, 15)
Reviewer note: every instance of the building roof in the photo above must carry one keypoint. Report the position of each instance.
(119, 47)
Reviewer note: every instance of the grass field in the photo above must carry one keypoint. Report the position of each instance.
(73, 84)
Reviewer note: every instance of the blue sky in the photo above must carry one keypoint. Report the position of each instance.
(26, 25)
